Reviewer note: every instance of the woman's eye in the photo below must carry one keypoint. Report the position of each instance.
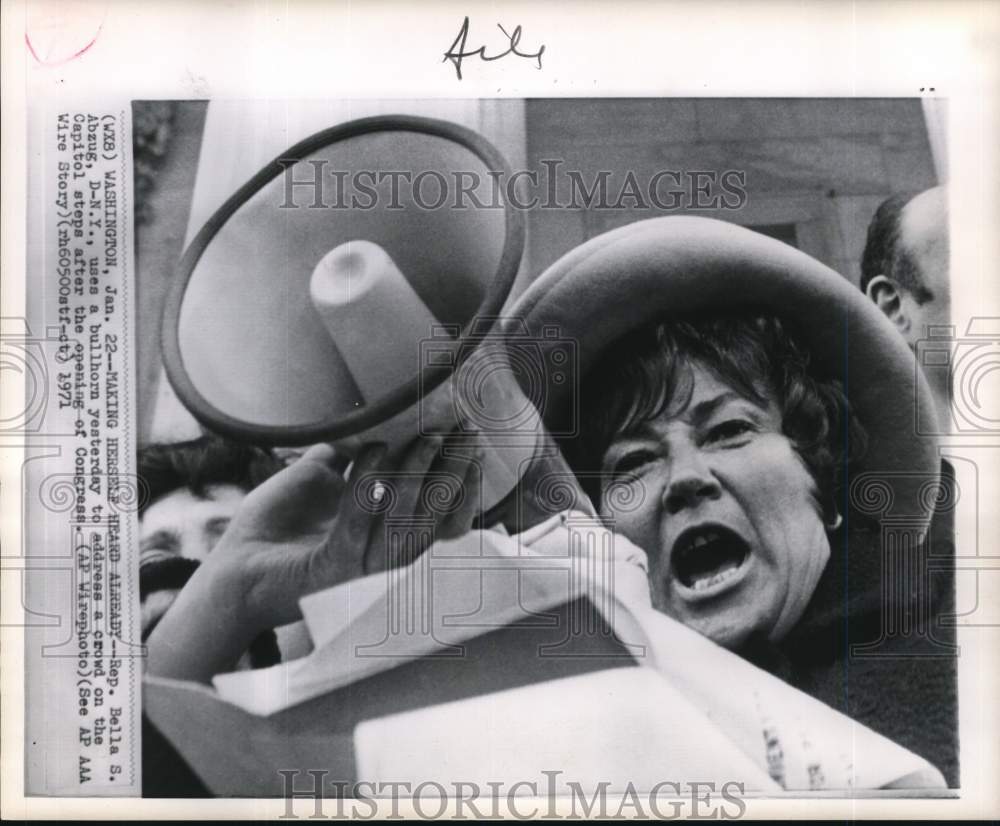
(631, 462)
(731, 430)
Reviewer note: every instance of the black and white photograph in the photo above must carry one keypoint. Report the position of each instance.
(484, 453)
(690, 410)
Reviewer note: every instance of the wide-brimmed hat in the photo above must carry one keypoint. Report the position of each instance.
(682, 265)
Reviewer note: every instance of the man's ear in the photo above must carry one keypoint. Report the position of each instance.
(887, 297)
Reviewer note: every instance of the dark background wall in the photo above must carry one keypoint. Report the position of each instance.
(815, 168)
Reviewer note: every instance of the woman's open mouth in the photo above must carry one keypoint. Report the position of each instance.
(708, 559)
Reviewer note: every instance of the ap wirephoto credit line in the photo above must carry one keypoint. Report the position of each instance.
(80, 580)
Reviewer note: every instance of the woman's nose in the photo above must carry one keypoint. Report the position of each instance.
(691, 482)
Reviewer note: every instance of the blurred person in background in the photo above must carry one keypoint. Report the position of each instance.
(904, 270)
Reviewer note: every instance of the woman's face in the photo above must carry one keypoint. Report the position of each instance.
(726, 511)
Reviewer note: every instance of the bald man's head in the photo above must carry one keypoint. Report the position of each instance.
(905, 272)
(904, 269)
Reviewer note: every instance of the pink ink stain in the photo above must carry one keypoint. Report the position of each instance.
(60, 31)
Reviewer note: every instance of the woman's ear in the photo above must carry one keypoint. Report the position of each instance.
(887, 297)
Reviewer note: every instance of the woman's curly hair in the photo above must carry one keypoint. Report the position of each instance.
(649, 372)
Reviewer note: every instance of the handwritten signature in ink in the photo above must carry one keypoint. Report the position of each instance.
(456, 57)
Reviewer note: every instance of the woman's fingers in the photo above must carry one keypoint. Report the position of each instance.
(300, 498)
(460, 521)
(407, 484)
(349, 538)
(413, 471)
(424, 484)
(327, 456)
(461, 472)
